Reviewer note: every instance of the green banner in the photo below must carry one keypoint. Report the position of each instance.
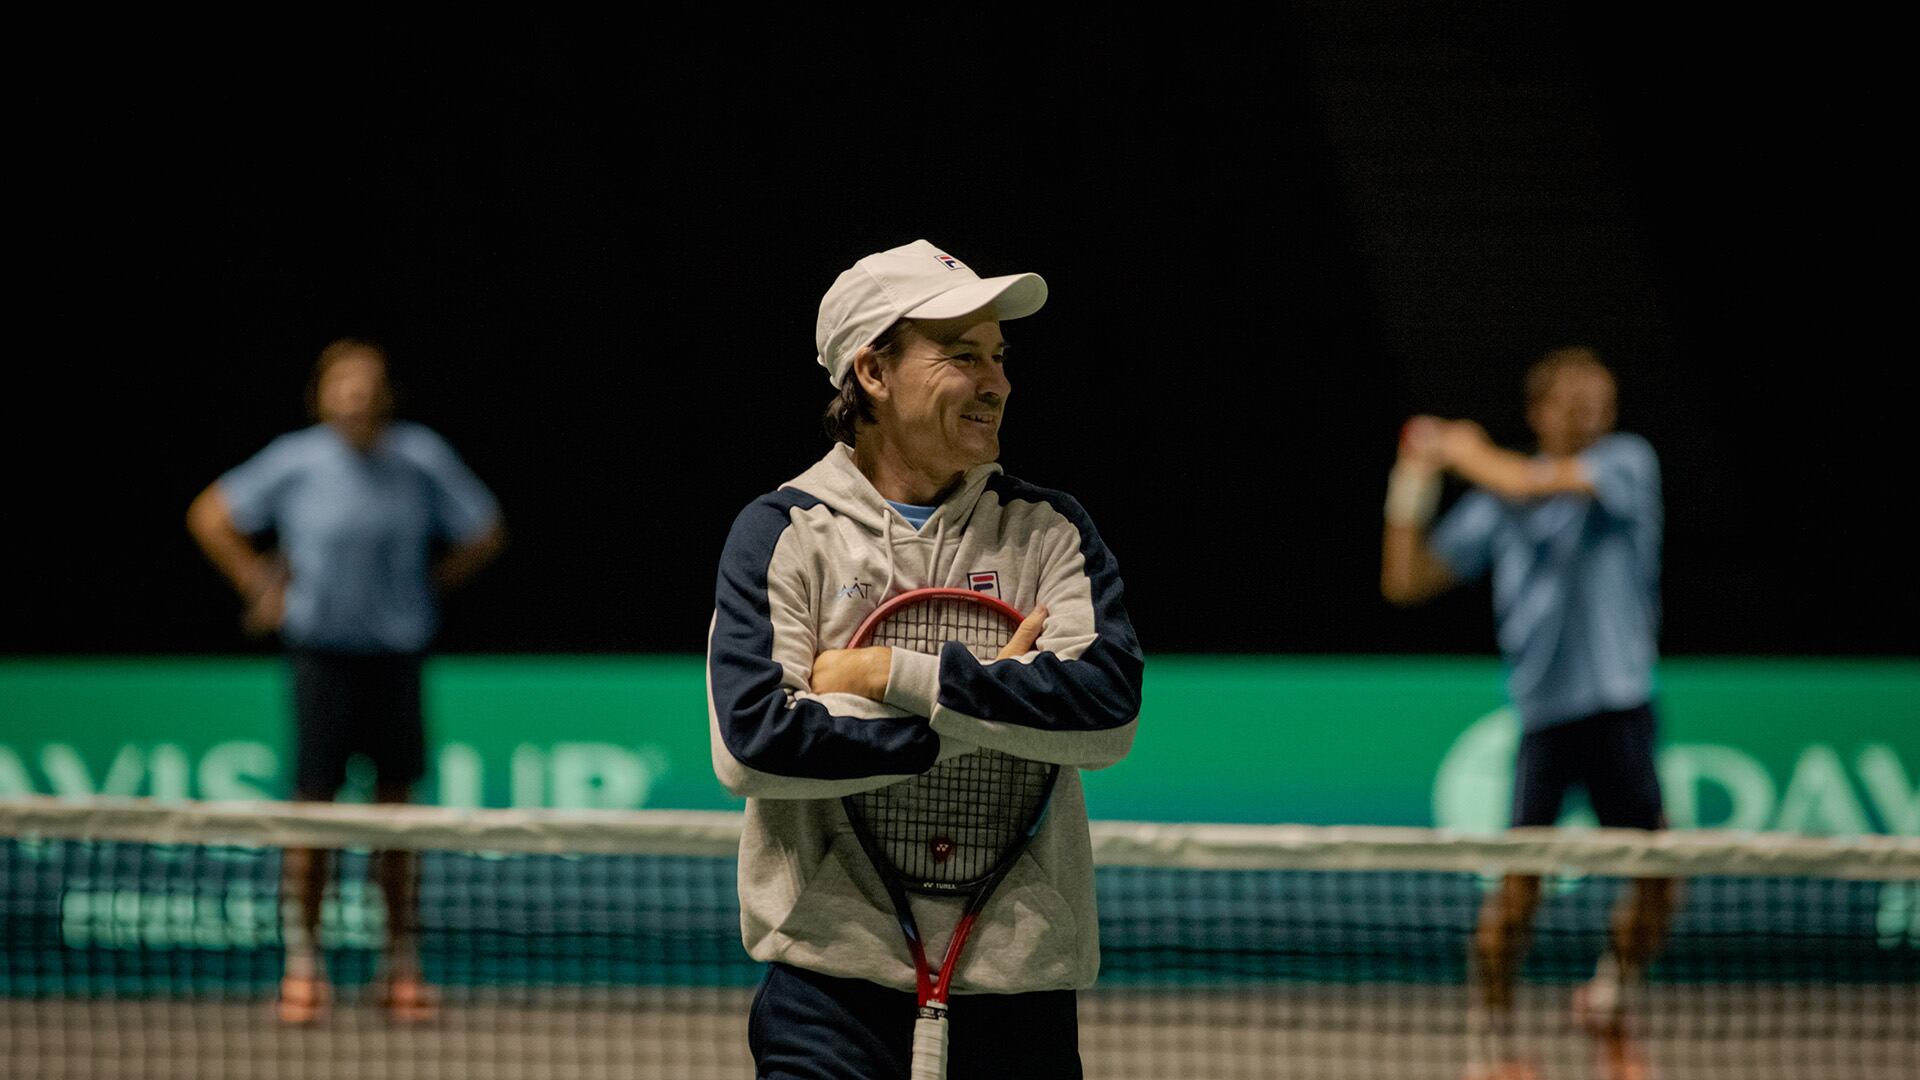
(1826, 747)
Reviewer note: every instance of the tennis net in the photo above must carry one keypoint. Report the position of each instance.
(144, 940)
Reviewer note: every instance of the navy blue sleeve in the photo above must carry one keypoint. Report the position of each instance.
(762, 712)
(1097, 690)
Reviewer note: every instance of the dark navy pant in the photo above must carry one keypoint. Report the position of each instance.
(1609, 754)
(808, 1026)
(350, 703)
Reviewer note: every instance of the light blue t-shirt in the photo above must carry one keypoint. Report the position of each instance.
(357, 530)
(1576, 584)
(916, 515)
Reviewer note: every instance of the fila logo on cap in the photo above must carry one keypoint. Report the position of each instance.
(986, 581)
(948, 261)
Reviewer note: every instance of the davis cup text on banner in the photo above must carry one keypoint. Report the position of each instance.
(1822, 747)
(566, 775)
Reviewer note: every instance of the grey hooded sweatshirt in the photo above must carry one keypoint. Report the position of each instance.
(802, 567)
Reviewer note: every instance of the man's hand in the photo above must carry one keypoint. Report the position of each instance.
(1413, 488)
(263, 593)
(865, 671)
(1420, 439)
(853, 671)
(1025, 634)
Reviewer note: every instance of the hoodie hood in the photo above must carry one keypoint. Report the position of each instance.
(838, 482)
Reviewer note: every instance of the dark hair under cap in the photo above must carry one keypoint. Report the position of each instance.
(851, 406)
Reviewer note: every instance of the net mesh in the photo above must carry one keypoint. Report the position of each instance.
(144, 941)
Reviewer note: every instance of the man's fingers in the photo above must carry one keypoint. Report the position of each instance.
(263, 614)
(1420, 437)
(1026, 634)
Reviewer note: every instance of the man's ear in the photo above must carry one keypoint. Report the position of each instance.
(871, 373)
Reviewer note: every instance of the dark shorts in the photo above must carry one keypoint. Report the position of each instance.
(1609, 754)
(348, 703)
(808, 1026)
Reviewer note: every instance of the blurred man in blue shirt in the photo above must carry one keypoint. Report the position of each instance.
(1571, 536)
(374, 518)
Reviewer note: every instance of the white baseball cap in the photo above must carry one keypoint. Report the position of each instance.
(916, 281)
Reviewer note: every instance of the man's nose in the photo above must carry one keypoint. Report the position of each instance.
(993, 381)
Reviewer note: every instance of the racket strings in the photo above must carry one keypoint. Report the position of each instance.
(927, 627)
(951, 825)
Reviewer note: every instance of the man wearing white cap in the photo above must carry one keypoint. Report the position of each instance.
(910, 497)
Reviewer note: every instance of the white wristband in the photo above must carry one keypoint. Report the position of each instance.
(1413, 494)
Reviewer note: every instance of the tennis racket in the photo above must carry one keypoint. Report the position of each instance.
(956, 829)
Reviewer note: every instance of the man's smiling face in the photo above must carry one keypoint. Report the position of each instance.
(948, 394)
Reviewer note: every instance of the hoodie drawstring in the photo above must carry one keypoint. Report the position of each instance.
(886, 518)
(939, 538)
(933, 568)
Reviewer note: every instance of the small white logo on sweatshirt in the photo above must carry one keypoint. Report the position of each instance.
(858, 589)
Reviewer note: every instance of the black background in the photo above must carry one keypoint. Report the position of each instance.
(595, 253)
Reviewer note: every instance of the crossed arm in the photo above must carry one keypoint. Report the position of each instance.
(866, 671)
(1410, 572)
(790, 719)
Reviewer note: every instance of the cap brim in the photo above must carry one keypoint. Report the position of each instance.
(1014, 296)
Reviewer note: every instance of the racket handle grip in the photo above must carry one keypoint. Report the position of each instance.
(930, 1044)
